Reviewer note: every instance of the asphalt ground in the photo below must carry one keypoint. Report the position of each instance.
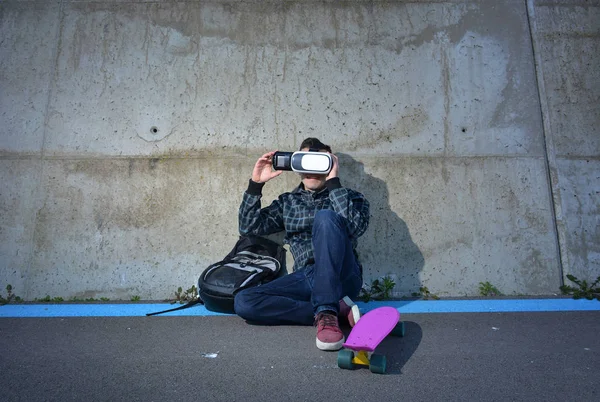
(497, 356)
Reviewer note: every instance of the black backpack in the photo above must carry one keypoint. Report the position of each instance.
(253, 261)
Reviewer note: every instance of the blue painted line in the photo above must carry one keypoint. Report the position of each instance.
(407, 307)
(487, 306)
(98, 310)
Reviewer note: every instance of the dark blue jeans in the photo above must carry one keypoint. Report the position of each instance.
(296, 298)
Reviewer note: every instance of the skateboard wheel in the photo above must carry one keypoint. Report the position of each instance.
(344, 359)
(378, 364)
(399, 329)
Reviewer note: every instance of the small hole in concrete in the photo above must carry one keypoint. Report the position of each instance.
(464, 130)
(154, 129)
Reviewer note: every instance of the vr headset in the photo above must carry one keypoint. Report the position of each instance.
(311, 162)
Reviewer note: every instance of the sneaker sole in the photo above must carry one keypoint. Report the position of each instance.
(353, 309)
(330, 346)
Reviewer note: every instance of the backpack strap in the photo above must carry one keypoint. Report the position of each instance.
(189, 304)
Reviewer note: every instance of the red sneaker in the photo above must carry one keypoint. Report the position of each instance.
(329, 334)
(349, 311)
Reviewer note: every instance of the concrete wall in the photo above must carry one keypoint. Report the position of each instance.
(129, 130)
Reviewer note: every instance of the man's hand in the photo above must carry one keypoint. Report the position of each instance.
(334, 169)
(263, 171)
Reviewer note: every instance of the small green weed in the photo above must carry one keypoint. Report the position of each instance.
(10, 296)
(426, 294)
(487, 289)
(583, 291)
(49, 299)
(378, 290)
(187, 296)
(73, 299)
(135, 298)
(88, 300)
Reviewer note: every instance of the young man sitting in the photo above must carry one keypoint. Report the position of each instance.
(322, 222)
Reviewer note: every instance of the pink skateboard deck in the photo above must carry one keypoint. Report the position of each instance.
(372, 328)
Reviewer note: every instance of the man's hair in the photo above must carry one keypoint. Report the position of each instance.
(314, 143)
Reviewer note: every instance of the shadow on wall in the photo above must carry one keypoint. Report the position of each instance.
(387, 247)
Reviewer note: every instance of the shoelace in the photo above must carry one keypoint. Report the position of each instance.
(326, 320)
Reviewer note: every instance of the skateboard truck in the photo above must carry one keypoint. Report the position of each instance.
(348, 360)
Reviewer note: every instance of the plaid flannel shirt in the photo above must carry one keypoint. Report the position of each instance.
(294, 213)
